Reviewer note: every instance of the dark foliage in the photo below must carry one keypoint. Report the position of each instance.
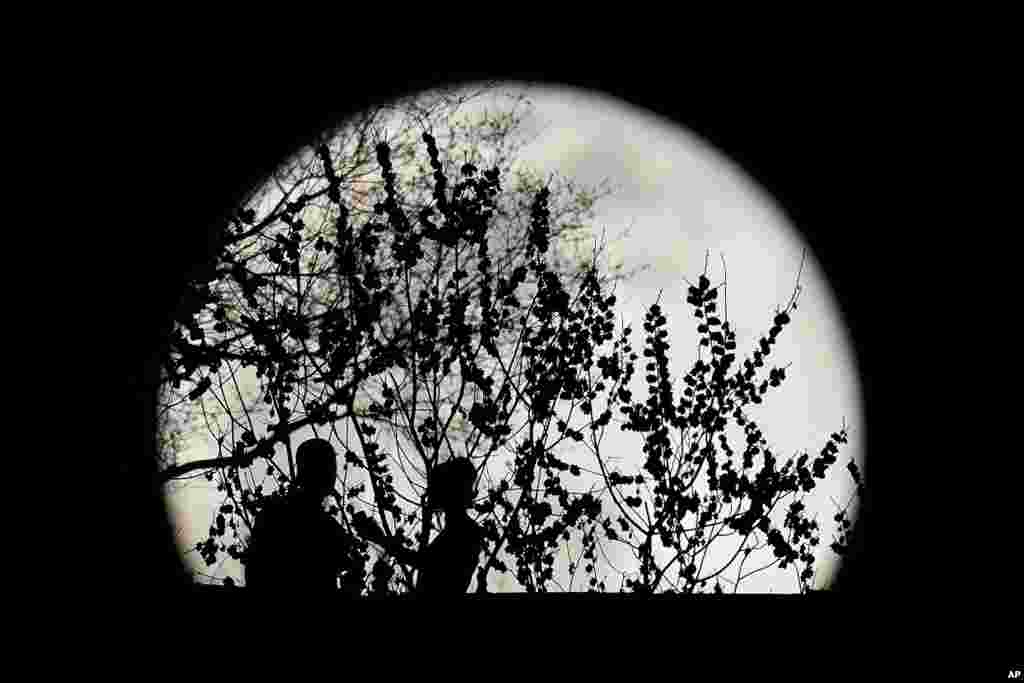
(524, 362)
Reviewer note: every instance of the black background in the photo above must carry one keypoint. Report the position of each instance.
(821, 139)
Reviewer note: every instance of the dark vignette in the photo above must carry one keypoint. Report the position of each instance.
(809, 143)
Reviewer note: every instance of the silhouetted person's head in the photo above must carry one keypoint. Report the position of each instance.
(452, 486)
(318, 467)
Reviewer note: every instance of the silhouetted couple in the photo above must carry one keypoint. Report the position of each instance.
(298, 547)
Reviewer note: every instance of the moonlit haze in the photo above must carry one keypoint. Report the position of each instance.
(676, 204)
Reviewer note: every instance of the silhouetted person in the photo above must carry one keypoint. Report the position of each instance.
(446, 566)
(296, 545)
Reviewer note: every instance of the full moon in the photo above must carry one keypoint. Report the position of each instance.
(670, 208)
